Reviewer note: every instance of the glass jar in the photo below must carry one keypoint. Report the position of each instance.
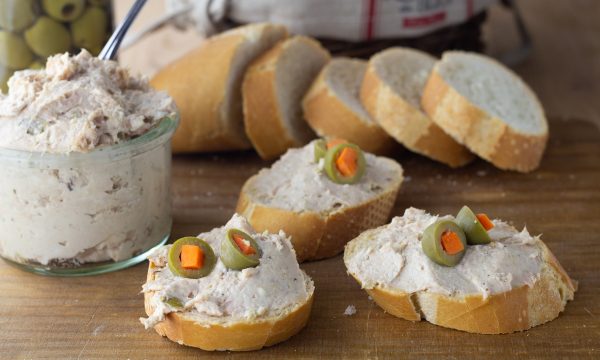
(32, 30)
(86, 213)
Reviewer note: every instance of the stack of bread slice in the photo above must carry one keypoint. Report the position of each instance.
(256, 87)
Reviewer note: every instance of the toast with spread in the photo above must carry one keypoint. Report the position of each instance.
(323, 195)
(466, 272)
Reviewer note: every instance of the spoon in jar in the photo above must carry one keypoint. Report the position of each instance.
(112, 46)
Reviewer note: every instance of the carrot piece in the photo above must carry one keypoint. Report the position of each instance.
(485, 221)
(347, 162)
(244, 245)
(451, 243)
(192, 257)
(333, 142)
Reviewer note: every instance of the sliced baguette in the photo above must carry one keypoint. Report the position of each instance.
(272, 91)
(332, 107)
(485, 106)
(391, 92)
(516, 309)
(278, 198)
(206, 86)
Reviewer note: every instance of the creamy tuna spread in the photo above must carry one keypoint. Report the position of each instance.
(297, 183)
(69, 194)
(395, 260)
(78, 103)
(275, 286)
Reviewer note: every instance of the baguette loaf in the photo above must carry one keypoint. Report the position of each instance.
(272, 91)
(391, 92)
(333, 109)
(511, 284)
(236, 310)
(206, 86)
(488, 108)
(321, 216)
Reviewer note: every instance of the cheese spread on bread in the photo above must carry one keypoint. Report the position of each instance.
(273, 287)
(395, 260)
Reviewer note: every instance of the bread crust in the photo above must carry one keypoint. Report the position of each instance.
(329, 116)
(516, 310)
(484, 134)
(239, 336)
(407, 124)
(201, 98)
(318, 236)
(263, 117)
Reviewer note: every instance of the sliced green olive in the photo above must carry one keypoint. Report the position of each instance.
(320, 149)
(233, 256)
(331, 167)
(476, 233)
(431, 242)
(209, 259)
(173, 302)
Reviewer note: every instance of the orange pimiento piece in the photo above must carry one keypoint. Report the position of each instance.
(244, 245)
(451, 243)
(485, 221)
(192, 257)
(347, 162)
(333, 142)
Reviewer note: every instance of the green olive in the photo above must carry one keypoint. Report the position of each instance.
(36, 65)
(320, 149)
(89, 31)
(233, 257)
(98, 2)
(175, 258)
(476, 233)
(331, 168)
(47, 37)
(14, 53)
(5, 74)
(16, 15)
(173, 302)
(64, 10)
(431, 242)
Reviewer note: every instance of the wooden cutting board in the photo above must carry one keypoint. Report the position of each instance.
(97, 317)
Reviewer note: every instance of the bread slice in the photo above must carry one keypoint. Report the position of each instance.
(332, 107)
(391, 93)
(206, 86)
(511, 284)
(320, 215)
(200, 323)
(273, 89)
(485, 106)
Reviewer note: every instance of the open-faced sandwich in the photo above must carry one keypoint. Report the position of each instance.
(227, 289)
(323, 195)
(466, 272)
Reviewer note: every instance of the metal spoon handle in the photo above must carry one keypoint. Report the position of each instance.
(112, 46)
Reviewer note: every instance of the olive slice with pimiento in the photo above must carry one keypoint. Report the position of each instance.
(320, 149)
(239, 250)
(191, 257)
(473, 227)
(345, 163)
(444, 242)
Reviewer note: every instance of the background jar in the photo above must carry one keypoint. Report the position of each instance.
(86, 213)
(32, 30)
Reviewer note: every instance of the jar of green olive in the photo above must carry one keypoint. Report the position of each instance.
(32, 30)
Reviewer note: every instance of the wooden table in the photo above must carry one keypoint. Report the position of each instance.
(96, 317)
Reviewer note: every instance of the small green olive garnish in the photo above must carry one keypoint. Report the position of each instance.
(476, 233)
(345, 163)
(208, 258)
(239, 250)
(320, 149)
(444, 242)
(173, 302)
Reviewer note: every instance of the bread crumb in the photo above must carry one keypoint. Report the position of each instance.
(350, 310)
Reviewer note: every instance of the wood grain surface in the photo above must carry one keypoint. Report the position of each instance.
(97, 317)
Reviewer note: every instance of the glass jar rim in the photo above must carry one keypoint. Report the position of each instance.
(156, 136)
